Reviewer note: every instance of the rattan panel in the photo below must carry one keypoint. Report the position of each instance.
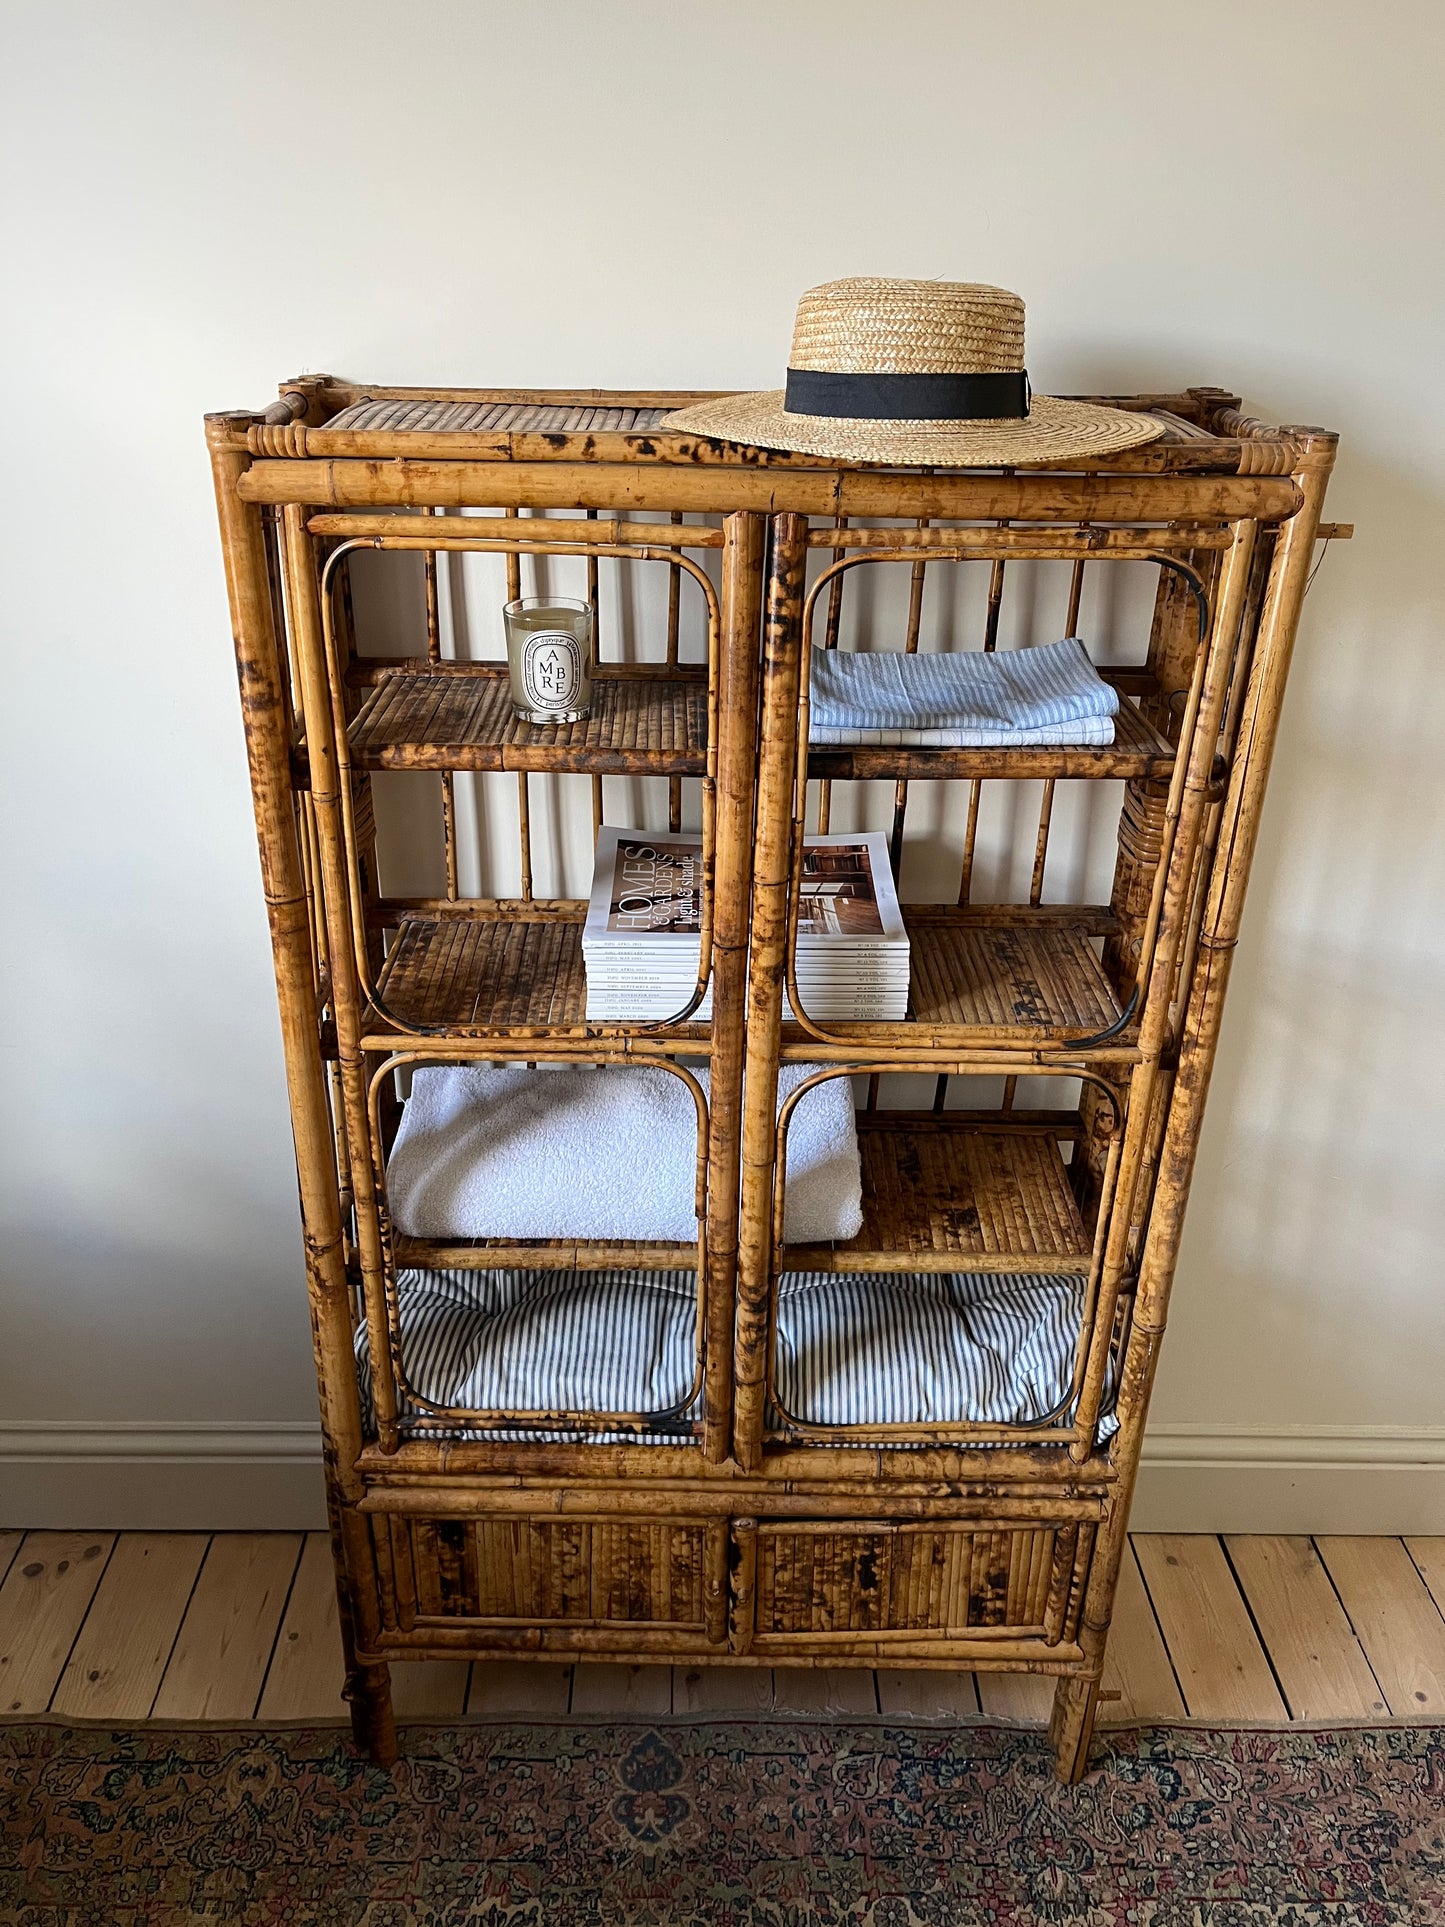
(932, 1579)
(578, 1571)
(425, 415)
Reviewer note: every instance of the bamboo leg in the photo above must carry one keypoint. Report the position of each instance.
(1076, 1701)
(328, 1290)
(742, 580)
(771, 872)
(1279, 622)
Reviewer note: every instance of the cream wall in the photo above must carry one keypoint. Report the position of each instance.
(216, 196)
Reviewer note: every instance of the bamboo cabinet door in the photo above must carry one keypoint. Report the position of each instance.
(819, 1584)
(630, 1582)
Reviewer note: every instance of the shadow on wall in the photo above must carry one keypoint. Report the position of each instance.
(1305, 1231)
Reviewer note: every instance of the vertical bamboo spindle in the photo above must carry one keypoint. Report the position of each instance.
(596, 657)
(832, 624)
(268, 749)
(524, 818)
(771, 873)
(742, 597)
(434, 656)
(975, 788)
(674, 612)
(1046, 801)
(910, 648)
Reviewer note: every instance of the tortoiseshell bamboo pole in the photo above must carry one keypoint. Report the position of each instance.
(832, 625)
(305, 607)
(1172, 887)
(596, 608)
(401, 483)
(524, 812)
(772, 869)
(674, 633)
(742, 598)
(434, 655)
(268, 752)
(910, 648)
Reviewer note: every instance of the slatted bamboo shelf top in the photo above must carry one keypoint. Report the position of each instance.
(983, 977)
(942, 1195)
(459, 716)
(1203, 430)
(992, 975)
(486, 966)
(543, 1254)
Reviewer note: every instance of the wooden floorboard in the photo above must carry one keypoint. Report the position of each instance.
(43, 1603)
(503, 1689)
(1429, 1559)
(1317, 1659)
(913, 1694)
(636, 1692)
(242, 1625)
(1397, 1622)
(429, 1689)
(224, 1647)
(1220, 1665)
(1024, 1699)
(120, 1653)
(1138, 1682)
(722, 1689)
(824, 1691)
(306, 1673)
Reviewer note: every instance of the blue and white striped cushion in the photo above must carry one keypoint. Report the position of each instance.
(852, 1349)
(960, 699)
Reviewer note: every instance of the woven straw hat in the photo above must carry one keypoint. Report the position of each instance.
(913, 372)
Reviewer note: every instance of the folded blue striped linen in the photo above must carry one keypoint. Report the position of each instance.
(968, 699)
(852, 1349)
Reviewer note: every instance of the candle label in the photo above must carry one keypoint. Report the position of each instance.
(551, 669)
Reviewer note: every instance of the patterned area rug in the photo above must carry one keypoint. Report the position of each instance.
(733, 1824)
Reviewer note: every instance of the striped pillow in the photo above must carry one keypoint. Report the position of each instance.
(852, 1349)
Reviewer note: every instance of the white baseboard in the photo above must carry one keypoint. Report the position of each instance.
(184, 1477)
(243, 1477)
(1340, 1478)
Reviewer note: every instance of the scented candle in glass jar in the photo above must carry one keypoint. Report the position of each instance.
(549, 657)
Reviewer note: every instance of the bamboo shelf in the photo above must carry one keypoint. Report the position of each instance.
(497, 967)
(1138, 750)
(990, 977)
(940, 1196)
(740, 1536)
(459, 717)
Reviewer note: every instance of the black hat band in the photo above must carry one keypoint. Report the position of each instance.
(905, 398)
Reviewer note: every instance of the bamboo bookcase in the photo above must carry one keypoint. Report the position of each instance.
(744, 1535)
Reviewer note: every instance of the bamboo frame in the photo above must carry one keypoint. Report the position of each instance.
(682, 1539)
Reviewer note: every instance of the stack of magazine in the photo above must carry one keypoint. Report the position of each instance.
(640, 941)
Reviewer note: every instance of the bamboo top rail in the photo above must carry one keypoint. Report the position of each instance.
(1203, 430)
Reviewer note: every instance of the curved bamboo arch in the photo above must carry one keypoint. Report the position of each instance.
(429, 543)
(394, 1364)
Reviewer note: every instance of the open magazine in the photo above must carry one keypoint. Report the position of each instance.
(644, 921)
